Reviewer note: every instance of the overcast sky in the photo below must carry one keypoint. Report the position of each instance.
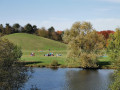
(61, 14)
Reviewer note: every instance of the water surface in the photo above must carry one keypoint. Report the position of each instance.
(70, 79)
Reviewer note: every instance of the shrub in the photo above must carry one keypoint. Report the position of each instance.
(88, 60)
(54, 63)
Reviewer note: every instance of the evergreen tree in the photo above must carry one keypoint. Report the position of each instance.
(16, 27)
(28, 28)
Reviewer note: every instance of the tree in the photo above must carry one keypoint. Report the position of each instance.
(8, 29)
(22, 29)
(9, 53)
(113, 51)
(42, 32)
(50, 31)
(2, 30)
(84, 44)
(55, 36)
(16, 27)
(34, 28)
(28, 28)
(59, 34)
(13, 74)
(106, 33)
(113, 48)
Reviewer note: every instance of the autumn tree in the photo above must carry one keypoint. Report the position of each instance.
(84, 44)
(59, 34)
(106, 33)
(42, 32)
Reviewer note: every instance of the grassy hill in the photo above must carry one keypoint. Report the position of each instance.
(33, 42)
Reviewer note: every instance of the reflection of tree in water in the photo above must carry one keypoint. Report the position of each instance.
(54, 68)
(13, 78)
(87, 80)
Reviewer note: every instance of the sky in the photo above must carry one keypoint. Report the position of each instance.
(61, 14)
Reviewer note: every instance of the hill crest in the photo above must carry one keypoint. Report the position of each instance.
(33, 42)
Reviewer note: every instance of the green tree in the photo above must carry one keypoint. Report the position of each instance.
(34, 28)
(16, 27)
(84, 44)
(113, 48)
(28, 28)
(50, 31)
(2, 30)
(113, 51)
(13, 74)
(9, 53)
(8, 29)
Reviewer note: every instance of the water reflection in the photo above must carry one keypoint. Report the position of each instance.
(88, 79)
(14, 77)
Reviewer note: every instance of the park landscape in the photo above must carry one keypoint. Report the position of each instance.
(37, 43)
(59, 45)
(81, 47)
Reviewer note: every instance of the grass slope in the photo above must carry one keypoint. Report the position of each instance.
(33, 42)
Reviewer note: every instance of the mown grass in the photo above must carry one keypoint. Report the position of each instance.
(32, 42)
(44, 60)
(40, 60)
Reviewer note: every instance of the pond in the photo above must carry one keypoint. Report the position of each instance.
(69, 79)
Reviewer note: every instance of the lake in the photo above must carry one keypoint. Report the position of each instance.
(69, 79)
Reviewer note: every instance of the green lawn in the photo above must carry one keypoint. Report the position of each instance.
(44, 60)
(32, 42)
(40, 60)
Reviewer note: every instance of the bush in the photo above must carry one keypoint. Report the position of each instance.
(54, 63)
(88, 60)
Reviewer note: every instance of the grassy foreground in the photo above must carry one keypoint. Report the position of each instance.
(32, 43)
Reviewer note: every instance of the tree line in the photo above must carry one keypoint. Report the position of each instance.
(31, 29)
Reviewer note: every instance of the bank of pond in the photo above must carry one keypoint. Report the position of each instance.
(55, 64)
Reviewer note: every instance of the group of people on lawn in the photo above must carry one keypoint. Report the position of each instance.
(49, 54)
